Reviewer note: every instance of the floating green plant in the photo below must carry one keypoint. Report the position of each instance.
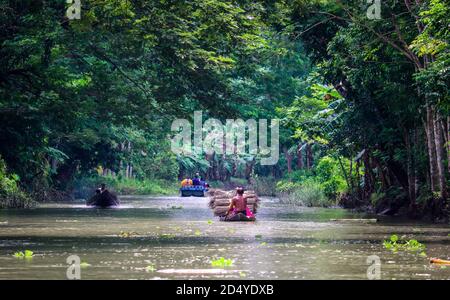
(210, 222)
(84, 264)
(166, 235)
(242, 274)
(263, 243)
(222, 262)
(258, 236)
(176, 207)
(395, 245)
(197, 233)
(27, 254)
(150, 268)
(127, 234)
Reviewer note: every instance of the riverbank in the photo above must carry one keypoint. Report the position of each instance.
(12, 196)
(312, 191)
(84, 187)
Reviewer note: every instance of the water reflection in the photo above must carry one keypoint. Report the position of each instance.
(177, 237)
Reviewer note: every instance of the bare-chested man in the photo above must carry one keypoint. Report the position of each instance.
(238, 203)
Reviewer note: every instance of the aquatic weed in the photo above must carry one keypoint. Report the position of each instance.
(222, 262)
(127, 234)
(395, 244)
(166, 235)
(28, 254)
(176, 207)
(150, 268)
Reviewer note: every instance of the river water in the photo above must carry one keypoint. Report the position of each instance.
(178, 238)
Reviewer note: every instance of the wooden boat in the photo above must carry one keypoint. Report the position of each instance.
(193, 190)
(439, 261)
(103, 200)
(237, 218)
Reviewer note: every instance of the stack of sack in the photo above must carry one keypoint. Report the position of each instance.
(220, 201)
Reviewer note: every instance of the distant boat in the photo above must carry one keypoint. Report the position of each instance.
(193, 190)
(103, 199)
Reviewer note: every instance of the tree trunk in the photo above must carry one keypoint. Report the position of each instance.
(448, 143)
(358, 181)
(234, 170)
(216, 167)
(369, 178)
(344, 172)
(300, 164)
(417, 149)
(431, 148)
(410, 171)
(381, 175)
(309, 156)
(288, 157)
(249, 170)
(352, 186)
(440, 156)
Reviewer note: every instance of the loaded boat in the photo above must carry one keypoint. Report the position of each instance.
(193, 190)
(220, 203)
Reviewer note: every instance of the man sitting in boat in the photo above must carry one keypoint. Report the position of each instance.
(103, 198)
(196, 180)
(101, 189)
(186, 182)
(238, 204)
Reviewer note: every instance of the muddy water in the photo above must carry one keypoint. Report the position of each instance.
(179, 238)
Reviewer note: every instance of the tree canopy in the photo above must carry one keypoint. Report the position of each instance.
(98, 94)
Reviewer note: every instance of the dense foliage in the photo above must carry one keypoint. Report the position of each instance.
(101, 91)
(392, 74)
(10, 194)
(363, 103)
